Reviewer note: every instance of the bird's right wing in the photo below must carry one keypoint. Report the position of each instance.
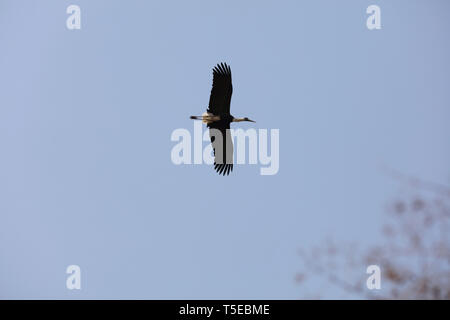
(222, 89)
(222, 144)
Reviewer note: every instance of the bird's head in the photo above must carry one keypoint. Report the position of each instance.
(241, 119)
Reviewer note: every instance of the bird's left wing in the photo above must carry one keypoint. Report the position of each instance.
(222, 144)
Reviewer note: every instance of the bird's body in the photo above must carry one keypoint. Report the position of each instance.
(218, 119)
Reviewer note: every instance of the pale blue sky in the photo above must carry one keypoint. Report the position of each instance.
(86, 118)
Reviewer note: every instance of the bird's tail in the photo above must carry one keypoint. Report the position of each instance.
(205, 117)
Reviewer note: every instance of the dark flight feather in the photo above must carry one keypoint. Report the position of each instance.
(222, 89)
(219, 104)
(223, 148)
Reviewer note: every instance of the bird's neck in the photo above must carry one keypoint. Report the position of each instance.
(238, 119)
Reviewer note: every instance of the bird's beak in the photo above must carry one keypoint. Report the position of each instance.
(251, 120)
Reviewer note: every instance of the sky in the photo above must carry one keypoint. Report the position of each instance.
(86, 116)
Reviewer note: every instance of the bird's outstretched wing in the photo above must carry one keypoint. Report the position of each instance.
(222, 144)
(222, 89)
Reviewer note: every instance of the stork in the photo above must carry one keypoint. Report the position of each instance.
(218, 118)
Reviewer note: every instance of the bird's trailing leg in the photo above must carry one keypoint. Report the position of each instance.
(206, 117)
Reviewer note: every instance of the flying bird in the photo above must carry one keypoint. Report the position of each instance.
(218, 118)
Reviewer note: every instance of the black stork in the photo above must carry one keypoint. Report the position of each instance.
(218, 118)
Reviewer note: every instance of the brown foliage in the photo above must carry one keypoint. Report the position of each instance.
(414, 256)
